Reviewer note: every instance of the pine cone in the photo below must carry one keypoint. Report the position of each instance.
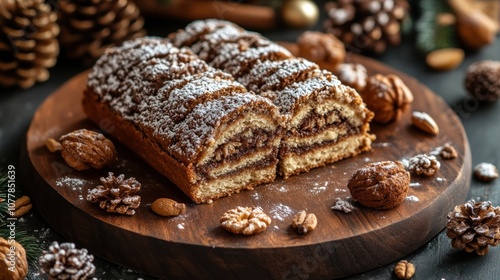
(473, 226)
(369, 25)
(64, 261)
(28, 42)
(88, 27)
(116, 195)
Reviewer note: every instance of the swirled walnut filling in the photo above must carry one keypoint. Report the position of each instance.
(315, 124)
(248, 143)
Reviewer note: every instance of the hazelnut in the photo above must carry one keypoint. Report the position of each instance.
(486, 172)
(380, 185)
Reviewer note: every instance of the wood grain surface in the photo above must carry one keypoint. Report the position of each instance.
(194, 245)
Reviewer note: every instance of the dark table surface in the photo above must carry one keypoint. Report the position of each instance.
(434, 260)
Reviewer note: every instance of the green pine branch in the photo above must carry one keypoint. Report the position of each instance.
(29, 242)
(430, 34)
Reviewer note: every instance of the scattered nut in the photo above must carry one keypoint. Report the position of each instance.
(304, 222)
(319, 46)
(83, 149)
(404, 270)
(448, 152)
(424, 165)
(168, 207)
(245, 220)
(22, 206)
(380, 185)
(354, 75)
(342, 205)
(486, 172)
(387, 96)
(475, 29)
(445, 59)
(53, 145)
(481, 80)
(424, 122)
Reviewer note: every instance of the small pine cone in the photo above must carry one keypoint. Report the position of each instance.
(424, 165)
(28, 42)
(369, 25)
(116, 195)
(64, 261)
(473, 226)
(88, 27)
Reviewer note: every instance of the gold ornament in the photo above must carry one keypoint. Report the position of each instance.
(299, 13)
(13, 262)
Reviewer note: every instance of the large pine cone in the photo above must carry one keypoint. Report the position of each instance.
(64, 261)
(28, 42)
(368, 25)
(88, 27)
(116, 195)
(473, 226)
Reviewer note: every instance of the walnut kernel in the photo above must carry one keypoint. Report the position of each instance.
(448, 152)
(304, 222)
(168, 207)
(404, 270)
(424, 165)
(380, 185)
(83, 149)
(245, 220)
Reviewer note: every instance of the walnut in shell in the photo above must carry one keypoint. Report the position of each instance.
(380, 185)
(354, 75)
(319, 46)
(83, 149)
(387, 96)
(245, 220)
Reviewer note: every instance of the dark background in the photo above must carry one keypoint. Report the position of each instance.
(435, 260)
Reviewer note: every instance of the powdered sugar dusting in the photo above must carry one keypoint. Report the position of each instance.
(73, 183)
(412, 198)
(171, 95)
(280, 212)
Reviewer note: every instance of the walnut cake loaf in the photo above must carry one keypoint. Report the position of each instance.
(194, 124)
(326, 121)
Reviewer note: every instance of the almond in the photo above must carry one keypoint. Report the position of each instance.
(53, 145)
(424, 122)
(445, 59)
(168, 207)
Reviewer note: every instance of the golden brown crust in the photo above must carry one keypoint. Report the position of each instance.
(129, 135)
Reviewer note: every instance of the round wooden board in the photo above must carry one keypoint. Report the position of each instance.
(194, 245)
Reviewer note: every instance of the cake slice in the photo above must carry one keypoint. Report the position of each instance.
(325, 120)
(192, 123)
